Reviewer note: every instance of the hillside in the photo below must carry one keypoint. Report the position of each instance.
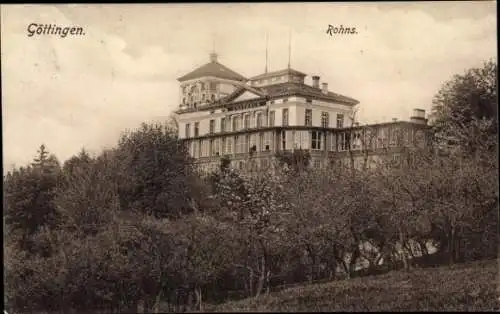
(466, 287)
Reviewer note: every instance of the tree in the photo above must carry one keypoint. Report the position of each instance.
(29, 196)
(254, 205)
(172, 124)
(88, 198)
(465, 108)
(82, 160)
(155, 173)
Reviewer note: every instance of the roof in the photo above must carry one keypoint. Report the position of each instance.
(215, 69)
(305, 90)
(276, 73)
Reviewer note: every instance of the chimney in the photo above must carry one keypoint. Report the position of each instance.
(418, 116)
(213, 57)
(315, 81)
(324, 88)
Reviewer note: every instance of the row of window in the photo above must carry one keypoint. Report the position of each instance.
(203, 98)
(201, 86)
(278, 78)
(239, 164)
(232, 145)
(287, 140)
(396, 161)
(238, 123)
(325, 119)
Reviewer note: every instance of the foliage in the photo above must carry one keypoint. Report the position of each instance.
(154, 173)
(29, 194)
(465, 109)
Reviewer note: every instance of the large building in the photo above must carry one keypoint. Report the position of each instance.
(223, 113)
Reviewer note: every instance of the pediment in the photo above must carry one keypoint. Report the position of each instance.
(247, 95)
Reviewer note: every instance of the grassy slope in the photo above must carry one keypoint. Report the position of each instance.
(466, 287)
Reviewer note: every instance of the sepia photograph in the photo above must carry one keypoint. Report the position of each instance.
(250, 157)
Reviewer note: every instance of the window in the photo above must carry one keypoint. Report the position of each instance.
(239, 144)
(309, 101)
(394, 137)
(267, 141)
(253, 142)
(271, 118)
(222, 145)
(285, 99)
(316, 140)
(272, 102)
(333, 142)
(325, 117)
(196, 128)
(229, 145)
(196, 149)
(356, 141)
(296, 139)
(260, 146)
(236, 123)
(247, 144)
(340, 120)
(406, 136)
(258, 118)
(382, 140)
(212, 148)
(192, 149)
(212, 126)
(283, 140)
(342, 142)
(308, 117)
(246, 121)
(264, 164)
(222, 125)
(205, 150)
(285, 117)
(199, 148)
(317, 163)
(188, 128)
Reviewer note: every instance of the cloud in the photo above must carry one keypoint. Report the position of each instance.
(83, 91)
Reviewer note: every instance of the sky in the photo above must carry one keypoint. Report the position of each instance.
(83, 91)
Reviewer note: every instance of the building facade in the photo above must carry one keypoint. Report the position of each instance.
(250, 120)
